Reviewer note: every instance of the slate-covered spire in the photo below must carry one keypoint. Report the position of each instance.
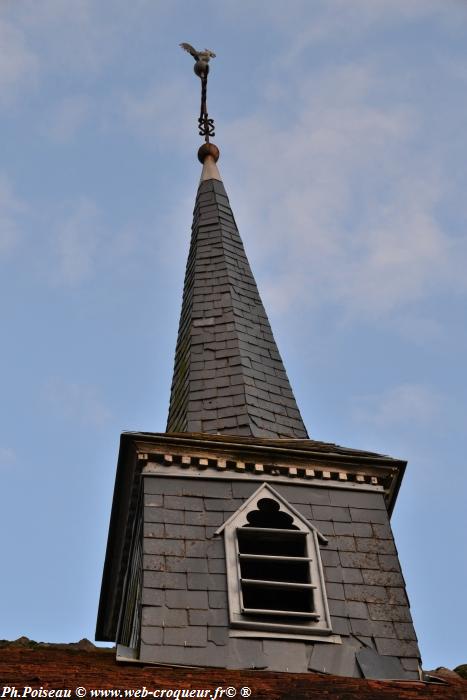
(228, 377)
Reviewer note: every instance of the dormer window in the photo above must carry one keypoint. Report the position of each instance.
(274, 571)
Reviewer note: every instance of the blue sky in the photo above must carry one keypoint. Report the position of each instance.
(341, 125)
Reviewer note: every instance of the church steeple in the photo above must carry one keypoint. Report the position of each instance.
(218, 552)
(228, 377)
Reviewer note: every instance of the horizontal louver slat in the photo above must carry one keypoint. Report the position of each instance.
(276, 584)
(281, 613)
(273, 557)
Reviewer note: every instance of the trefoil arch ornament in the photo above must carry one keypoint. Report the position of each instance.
(274, 573)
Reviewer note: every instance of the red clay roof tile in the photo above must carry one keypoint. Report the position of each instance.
(67, 667)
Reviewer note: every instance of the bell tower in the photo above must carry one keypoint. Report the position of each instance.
(235, 540)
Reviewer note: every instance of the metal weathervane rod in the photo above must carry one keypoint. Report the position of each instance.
(201, 68)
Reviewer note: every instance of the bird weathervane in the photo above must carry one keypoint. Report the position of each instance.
(201, 68)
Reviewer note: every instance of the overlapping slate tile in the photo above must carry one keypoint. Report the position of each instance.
(228, 375)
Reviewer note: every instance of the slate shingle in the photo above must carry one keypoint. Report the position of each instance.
(223, 325)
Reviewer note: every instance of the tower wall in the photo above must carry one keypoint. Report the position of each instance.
(185, 618)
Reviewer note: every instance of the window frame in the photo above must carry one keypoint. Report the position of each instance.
(315, 623)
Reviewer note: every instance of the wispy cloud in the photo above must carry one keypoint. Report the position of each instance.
(78, 36)
(10, 208)
(76, 401)
(353, 205)
(352, 20)
(68, 117)
(158, 114)
(87, 37)
(83, 244)
(18, 65)
(76, 243)
(406, 405)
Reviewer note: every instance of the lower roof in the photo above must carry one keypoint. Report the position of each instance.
(67, 667)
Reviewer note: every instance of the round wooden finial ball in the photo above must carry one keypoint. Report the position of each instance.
(208, 149)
